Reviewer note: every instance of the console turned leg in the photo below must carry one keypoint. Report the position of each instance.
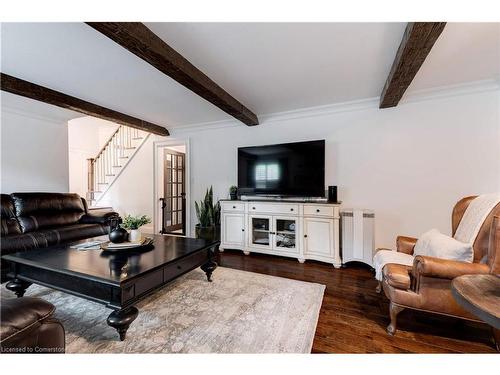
(121, 320)
(210, 266)
(18, 286)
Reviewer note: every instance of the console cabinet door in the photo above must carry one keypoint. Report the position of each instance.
(233, 229)
(260, 231)
(285, 234)
(318, 237)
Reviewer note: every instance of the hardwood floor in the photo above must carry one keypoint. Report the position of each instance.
(354, 317)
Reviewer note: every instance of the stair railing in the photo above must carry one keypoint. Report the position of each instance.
(111, 156)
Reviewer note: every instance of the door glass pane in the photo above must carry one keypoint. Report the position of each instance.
(179, 175)
(285, 233)
(260, 231)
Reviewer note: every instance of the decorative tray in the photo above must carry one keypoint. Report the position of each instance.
(114, 247)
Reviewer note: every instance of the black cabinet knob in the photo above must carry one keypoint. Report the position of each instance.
(291, 209)
(242, 229)
(317, 210)
(234, 206)
(253, 208)
(305, 235)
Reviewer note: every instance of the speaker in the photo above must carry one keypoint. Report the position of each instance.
(332, 194)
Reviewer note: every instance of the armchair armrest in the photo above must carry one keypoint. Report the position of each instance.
(405, 244)
(445, 268)
(99, 217)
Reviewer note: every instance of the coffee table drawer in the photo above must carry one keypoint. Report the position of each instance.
(171, 271)
(148, 282)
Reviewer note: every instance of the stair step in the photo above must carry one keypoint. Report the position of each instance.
(110, 175)
(102, 183)
(123, 157)
(129, 148)
(95, 191)
(137, 138)
(116, 166)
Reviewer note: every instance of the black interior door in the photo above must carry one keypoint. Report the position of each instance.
(174, 188)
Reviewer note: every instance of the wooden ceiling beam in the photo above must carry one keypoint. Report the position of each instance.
(417, 42)
(142, 42)
(43, 94)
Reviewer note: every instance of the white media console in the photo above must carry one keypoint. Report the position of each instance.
(299, 230)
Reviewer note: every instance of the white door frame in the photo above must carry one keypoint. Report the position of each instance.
(158, 172)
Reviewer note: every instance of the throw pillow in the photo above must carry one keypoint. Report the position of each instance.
(435, 244)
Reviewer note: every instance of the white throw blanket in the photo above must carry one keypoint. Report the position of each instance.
(474, 217)
(467, 231)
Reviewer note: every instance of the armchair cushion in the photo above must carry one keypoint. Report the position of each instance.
(435, 244)
(397, 275)
(445, 268)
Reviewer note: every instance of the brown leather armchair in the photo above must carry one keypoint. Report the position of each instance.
(27, 326)
(425, 286)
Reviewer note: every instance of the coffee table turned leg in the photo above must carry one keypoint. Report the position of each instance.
(121, 320)
(210, 266)
(18, 286)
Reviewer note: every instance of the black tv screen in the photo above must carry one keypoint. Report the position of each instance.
(288, 169)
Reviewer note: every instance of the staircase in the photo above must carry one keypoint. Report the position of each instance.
(106, 167)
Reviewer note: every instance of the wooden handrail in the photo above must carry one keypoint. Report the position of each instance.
(107, 143)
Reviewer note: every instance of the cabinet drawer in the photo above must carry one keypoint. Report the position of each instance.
(233, 206)
(313, 210)
(283, 209)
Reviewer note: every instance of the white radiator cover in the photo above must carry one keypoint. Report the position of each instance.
(357, 227)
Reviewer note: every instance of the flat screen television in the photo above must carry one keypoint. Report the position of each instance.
(288, 169)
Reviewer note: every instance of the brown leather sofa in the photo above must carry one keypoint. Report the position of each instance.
(37, 220)
(27, 326)
(425, 286)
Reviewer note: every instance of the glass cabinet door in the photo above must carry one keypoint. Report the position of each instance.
(260, 231)
(285, 234)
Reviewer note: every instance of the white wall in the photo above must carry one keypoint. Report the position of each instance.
(86, 136)
(34, 152)
(410, 164)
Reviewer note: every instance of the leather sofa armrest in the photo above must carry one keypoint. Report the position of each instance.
(405, 244)
(445, 268)
(99, 217)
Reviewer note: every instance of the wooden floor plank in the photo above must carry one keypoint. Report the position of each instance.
(353, 317)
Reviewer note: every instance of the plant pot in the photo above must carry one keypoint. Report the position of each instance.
(135, 235)
(234, 196)
(211, 233)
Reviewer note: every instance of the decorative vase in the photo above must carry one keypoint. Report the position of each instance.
(118, 235)
(135, 235)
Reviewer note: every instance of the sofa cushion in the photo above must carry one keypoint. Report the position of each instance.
(51, 236)
(44, 210)
(9, 224)
(397, 275)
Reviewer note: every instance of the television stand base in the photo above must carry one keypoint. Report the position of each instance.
(278, 198)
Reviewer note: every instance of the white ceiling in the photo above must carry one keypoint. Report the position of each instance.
(269, 67)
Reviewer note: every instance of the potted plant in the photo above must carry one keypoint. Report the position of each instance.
(133, 223)
(233, 192)
(208, 214)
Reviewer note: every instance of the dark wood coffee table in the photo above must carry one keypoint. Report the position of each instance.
(117, 280)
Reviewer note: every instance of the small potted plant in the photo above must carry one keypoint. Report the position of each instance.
(133, 223)
(208, 214)
(233, 192)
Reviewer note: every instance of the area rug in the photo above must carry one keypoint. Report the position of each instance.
(239, 312)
